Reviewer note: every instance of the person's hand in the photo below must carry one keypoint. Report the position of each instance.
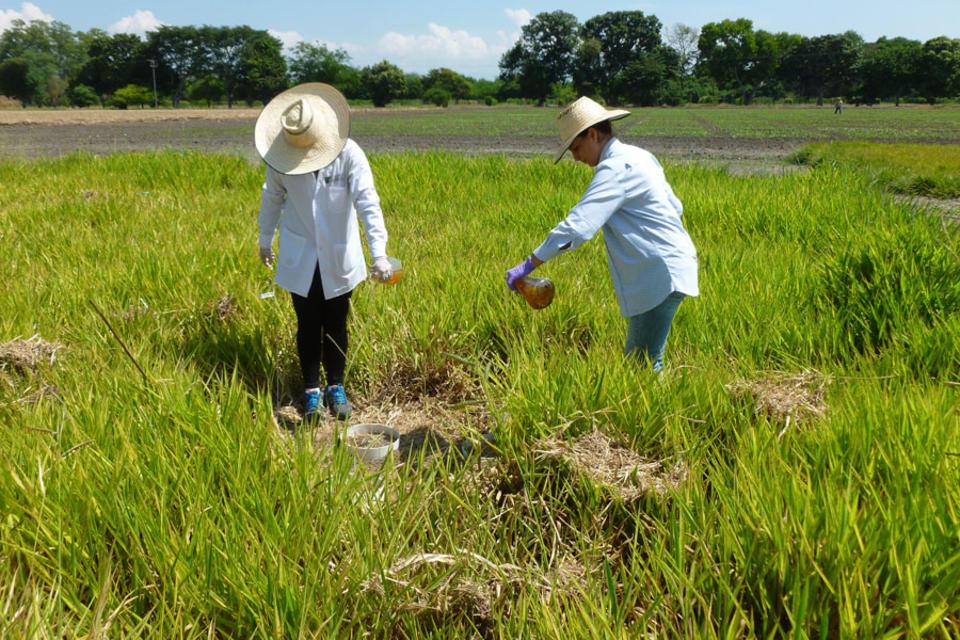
(266, 256)
(521, 270)
(381, 269)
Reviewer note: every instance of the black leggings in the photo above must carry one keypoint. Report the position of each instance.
(321, 332)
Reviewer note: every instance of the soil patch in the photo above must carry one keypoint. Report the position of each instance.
(42, 135)
(427, 426)
(947, 208)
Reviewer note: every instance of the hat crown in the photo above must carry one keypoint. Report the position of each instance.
(580, 114)
(296, 120)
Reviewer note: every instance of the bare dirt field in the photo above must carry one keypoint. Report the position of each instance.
(39, 133)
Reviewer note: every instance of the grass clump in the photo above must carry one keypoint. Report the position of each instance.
(894, 287)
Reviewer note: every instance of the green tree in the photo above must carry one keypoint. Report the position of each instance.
(80, 95)
(112, 62)
(826, 65)
(314, 62)
(209, 89)
(223, 49)
(413, 86)
(263, 68)
(482, 89)
(727, 53)
(384, 82)
(130, 95)
(449, 80)
(889, 68)
(628, 40)
(588, 71)
(179, 54)
(545, 54)
(787, 73)
(15, 80)
(940, 67)
(50, 50)
(436, 96)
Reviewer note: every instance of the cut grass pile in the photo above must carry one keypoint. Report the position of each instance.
(911, 169)
(612, 503)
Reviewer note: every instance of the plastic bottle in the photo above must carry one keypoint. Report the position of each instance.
(538, 292)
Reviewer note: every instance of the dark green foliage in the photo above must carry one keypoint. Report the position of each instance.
(448, 80)
(544, 55)
(80, 95)
(15, 80)
(314, 62)
(437, 96)
(131, 95)
(383, 82)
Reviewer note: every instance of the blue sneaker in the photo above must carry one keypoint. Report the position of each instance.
(335, 399)
(311, 403)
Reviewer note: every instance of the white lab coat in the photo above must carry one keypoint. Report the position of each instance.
(317, 215)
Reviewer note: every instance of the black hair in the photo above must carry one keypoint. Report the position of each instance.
(603, 128)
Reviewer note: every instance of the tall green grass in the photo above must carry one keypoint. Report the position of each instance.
(175, 507)
(913, 169)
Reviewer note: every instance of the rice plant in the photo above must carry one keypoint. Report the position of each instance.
(794, 472)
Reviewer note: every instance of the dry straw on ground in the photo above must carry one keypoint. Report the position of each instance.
(785, 397)
(27, 355)
(224, 308)
(612, 464)
(471, 586)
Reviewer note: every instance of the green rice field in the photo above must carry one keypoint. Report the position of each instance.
(917, 123)
(794, 473)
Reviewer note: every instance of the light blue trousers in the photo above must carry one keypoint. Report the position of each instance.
(647, 332)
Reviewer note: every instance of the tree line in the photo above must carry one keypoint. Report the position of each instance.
(627, 57)
(621, 57)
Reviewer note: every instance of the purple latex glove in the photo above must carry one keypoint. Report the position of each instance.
(519, 271)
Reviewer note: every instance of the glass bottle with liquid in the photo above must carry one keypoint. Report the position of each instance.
(396, 271)
(538, 292)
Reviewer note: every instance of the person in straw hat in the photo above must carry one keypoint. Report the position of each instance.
(652, 261)
(317, 180)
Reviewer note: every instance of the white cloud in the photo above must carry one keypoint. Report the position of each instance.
(288, 38)
(519, 17)
(439, 42)
(28, 13)
(139, 23)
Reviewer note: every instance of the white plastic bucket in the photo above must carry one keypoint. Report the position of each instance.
(373, 455)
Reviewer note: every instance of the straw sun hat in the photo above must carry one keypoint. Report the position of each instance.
(579, 116)
(303, 129)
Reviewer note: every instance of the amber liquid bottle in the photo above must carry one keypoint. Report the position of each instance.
(538, 292)
(396, 271)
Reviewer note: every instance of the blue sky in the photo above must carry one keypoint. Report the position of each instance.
(470, 37)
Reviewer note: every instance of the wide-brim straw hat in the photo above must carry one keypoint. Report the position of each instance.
(579, 116)
(303, 129)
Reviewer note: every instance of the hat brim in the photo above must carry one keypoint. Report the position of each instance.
(615, 114)
(291, 160)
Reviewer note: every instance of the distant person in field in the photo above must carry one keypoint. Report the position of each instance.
(652, 261)
(317, 180)
(838, 107)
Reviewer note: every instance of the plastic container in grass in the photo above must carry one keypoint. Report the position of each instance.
(372, 442)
